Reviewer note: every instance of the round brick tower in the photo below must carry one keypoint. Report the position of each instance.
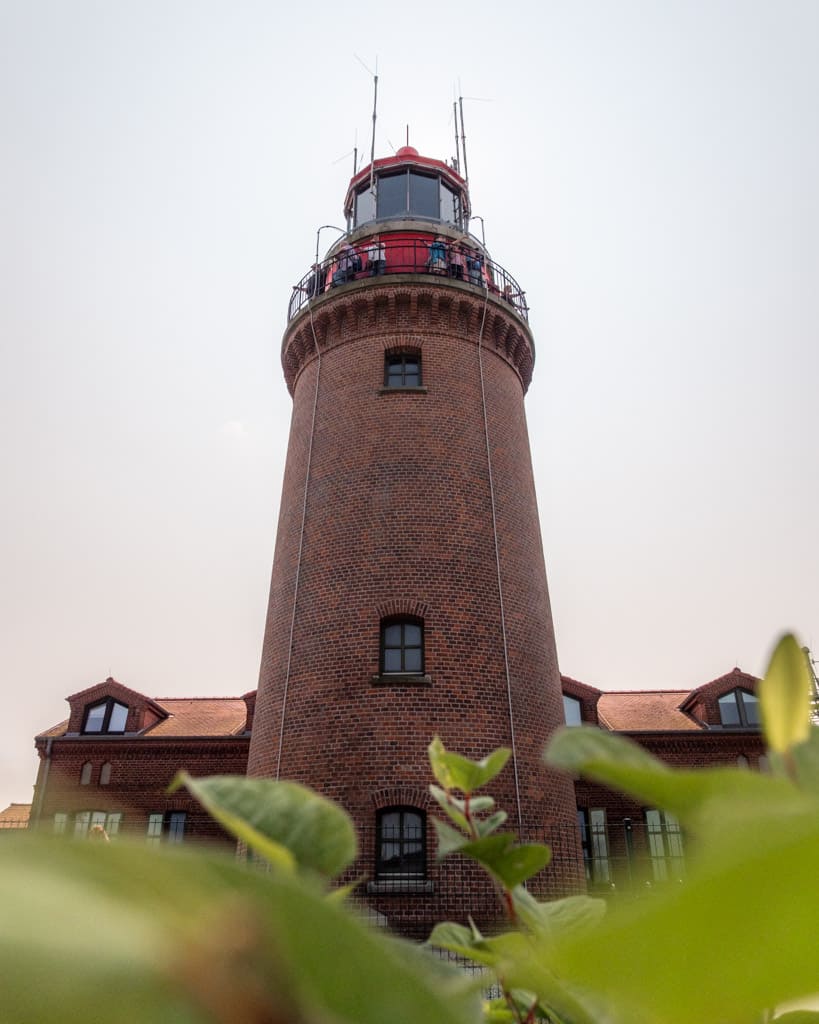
(409, 593)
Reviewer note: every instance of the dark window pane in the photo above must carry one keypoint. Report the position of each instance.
(412, 635)
(571, 710)
(728, 709)
(176, 827)
(364, 206)
(395, 378)
(391, 823)
(94, 718)
(392, 195)
(751, 706)
(450, 207)
(424, 196)
(119, 715)
(412, 821)
(392, 636)
(412, 660)
(392, 660)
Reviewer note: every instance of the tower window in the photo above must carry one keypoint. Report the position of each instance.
(402, 370)
(402, 646)
(401, 843)
(85, 774)
(106, 716)
(105, 774)
(739, 709)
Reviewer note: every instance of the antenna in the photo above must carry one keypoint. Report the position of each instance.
(463, 138)
(372, 145)
(457, 144)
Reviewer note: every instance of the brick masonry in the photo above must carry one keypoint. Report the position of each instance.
(399, 518)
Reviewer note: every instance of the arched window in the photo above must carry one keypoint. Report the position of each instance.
(105, 716)
(105, 774)
(742, 761)
(402, 646)
(401, 843)
(402, 369)
(85, 773)
(739, 709)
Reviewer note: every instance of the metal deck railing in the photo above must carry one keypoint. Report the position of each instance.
(447, 260)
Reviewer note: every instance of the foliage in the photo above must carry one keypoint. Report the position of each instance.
(119, 932)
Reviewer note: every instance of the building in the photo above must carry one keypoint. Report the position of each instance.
(15, 816)
(111, 762)
(112, 767)
(408, 594)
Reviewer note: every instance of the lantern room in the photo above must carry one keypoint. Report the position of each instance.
(407, 186)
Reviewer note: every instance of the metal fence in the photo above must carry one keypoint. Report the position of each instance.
(445, 260)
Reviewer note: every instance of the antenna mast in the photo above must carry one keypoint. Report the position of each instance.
(457, 144)
(372, 145)
(463, 138)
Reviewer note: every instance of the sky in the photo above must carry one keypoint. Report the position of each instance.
(646, 170)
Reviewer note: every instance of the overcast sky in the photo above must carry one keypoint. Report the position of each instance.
(647, 170)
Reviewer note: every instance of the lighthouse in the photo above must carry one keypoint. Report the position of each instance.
(409, 596)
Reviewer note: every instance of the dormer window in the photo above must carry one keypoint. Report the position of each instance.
(107, 716)
(739, 709)
(571, 710)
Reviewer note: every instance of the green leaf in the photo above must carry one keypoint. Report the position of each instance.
(281, 821)
(490, 824)
(450, 807)
(449, 841)
(785, 696)
(510, 864)
(558, 918)
(802, 762)
(128, 934)
(742, 924)
(689, 795)
(798, 1017)
(453, 771)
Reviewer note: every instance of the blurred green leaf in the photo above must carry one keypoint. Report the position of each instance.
(509, 863)
(494, 821)
(785, 696)
(453, 812)
(122, 933)
(449, 841)
(798, 1017)
(558, 918)
(452, 771)
(741, 924)
(802, 763)
(621, 764)
(281, 821)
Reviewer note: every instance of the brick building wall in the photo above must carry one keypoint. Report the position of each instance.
(141, 769)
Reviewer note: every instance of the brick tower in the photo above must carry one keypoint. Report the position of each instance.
(409, 593)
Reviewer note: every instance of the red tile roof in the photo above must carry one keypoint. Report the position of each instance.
(644, 711)
(15, 816)
(200, 716)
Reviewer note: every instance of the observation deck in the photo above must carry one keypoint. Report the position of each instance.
(408, 214)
